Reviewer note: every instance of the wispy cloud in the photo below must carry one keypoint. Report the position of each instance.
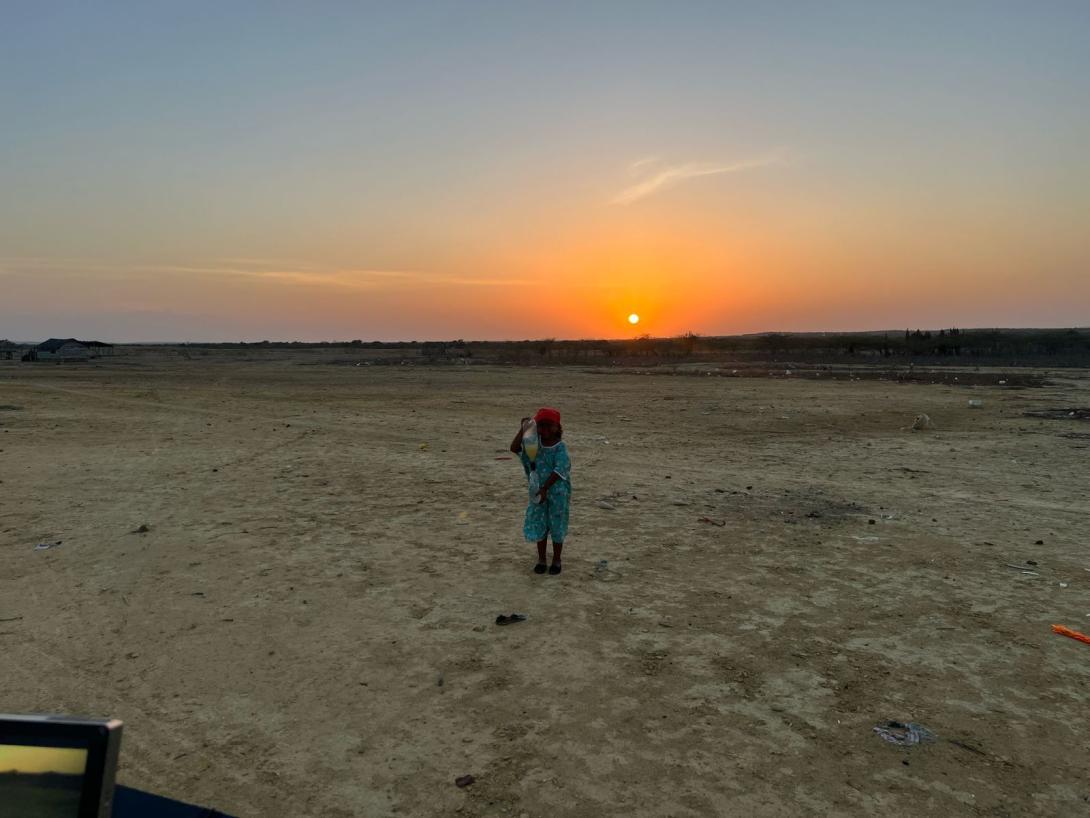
(641, 163)
(272, 270)
(656, 177)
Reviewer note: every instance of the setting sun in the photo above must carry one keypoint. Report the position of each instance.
(633, 319)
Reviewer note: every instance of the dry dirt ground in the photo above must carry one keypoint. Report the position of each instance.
(306, 627)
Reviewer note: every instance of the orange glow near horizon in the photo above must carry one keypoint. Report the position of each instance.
(26, 759)
(679, 268)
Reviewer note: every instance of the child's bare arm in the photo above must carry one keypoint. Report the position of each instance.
(516, 444)
(548, 484)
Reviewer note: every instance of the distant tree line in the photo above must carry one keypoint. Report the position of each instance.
(1071, 345)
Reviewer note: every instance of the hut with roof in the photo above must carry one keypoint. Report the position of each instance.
(68, 349)
(9, 350)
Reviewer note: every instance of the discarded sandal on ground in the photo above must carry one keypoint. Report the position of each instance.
(503, 619)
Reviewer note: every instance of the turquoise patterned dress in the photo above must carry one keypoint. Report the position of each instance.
(549, 518)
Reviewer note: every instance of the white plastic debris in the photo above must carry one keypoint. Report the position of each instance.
(921, 422)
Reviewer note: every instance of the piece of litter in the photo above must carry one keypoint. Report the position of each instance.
(921, 422)
(505, 619)
(904, 734)
(1022, 569)
(464, 780)
(606, 505)
(45, 546)
(1063, 584)
(710, 521)
(1060, 629)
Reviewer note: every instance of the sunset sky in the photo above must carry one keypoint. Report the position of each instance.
(310, 171)
(25, 759)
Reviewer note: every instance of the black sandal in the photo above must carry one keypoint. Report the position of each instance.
(554, 569)
(540, 568)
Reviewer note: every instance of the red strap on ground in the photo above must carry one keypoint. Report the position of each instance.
(1082, 637)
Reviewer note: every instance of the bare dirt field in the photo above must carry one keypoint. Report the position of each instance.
(306, 627)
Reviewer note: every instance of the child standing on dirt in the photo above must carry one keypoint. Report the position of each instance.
(547, 513)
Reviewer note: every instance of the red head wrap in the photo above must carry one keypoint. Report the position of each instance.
(545, 413)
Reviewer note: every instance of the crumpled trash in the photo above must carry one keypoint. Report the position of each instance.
(45, 546)
(904, 734)
(921, 423)
(505, 619)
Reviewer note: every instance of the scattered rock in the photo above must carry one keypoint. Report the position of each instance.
(464, 780)
(143, 528)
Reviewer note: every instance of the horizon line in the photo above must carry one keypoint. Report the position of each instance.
(342, 342)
